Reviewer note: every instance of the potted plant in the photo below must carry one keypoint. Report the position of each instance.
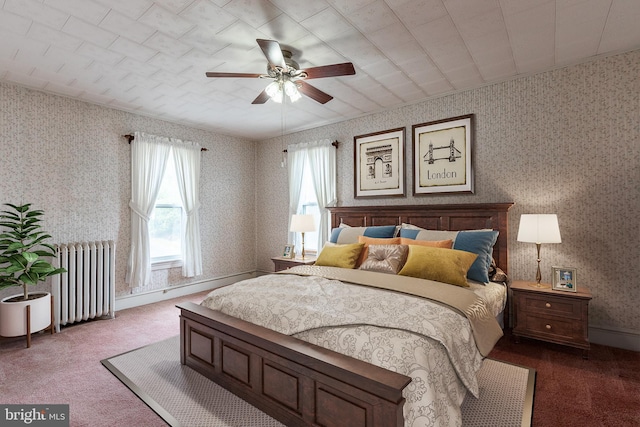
(22, 249)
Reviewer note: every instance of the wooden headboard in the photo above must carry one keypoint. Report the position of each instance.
(435, 217)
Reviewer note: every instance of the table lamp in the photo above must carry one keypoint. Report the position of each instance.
(302, 224)
(538, 229)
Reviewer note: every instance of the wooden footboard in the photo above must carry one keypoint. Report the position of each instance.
(298, 383)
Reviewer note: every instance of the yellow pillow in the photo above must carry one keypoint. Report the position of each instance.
(373, 241)
(343, 256)
(442, 265)
(447, 244)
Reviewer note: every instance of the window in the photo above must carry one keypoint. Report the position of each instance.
(308, 205)
(308, 162)
(174, 231)
(166, 220)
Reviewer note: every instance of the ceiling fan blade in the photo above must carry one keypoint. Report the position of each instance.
(236, 75)
(344, 69)
(314, 93)
(262, 98)
(272, 51)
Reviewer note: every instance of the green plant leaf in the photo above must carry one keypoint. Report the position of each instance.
(47, 245)
(15, 246)
(41, 238)
(42, 268)
(57, 271)
(18, 260)
(7, 282)
(44, 253)
(12, 269)
(21, 209)
(30, 256)
(28, 278)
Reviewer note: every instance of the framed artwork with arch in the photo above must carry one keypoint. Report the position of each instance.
(379, 164)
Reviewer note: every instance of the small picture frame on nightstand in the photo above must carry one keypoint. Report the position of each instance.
(564, 279)
(289, 251)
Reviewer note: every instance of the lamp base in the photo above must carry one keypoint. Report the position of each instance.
(539, 285)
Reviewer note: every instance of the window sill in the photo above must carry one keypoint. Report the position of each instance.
(165, 265)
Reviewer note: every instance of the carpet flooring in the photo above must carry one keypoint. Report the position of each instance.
(603, 391)
(183, 397)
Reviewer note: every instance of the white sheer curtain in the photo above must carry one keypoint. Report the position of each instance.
(187, 161)
(149, 156)
(296, 158)
(322, 160)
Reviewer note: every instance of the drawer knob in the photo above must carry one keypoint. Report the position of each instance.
(548, 326)
(548, 305)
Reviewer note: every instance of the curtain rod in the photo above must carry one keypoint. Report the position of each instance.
(130, 138)
(334, 143)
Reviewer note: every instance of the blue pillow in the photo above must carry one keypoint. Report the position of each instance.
(346, 235)
(479, 242)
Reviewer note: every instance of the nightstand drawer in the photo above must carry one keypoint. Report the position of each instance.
(548, 305)
(552, 327)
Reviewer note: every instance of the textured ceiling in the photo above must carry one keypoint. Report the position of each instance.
(150, 57)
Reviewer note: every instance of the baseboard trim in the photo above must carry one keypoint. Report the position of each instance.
(130, 301)
(626, 339)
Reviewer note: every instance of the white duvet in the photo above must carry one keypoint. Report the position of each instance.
(422, 339)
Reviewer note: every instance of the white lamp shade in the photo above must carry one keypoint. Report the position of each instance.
(539, 228)
(303, 223)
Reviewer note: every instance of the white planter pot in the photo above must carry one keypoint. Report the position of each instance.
(13, 315)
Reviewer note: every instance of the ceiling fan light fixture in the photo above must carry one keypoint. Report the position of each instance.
(291, 89)
(287, 75)
(274, 90)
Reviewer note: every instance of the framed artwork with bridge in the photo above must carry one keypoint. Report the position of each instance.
(442, 161)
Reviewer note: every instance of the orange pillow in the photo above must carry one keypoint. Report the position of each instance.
(374, 241)
(447, 244)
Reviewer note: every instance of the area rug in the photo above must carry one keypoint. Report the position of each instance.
(183, 397)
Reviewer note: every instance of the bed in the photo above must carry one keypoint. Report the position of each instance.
(298, 381)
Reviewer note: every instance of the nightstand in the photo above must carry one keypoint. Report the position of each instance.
(555, 316)
(281, 263)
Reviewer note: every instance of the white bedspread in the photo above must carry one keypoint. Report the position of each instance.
(411, 335)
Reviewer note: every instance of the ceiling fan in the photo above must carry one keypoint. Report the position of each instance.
(288, 78)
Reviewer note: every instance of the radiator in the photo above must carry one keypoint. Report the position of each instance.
(87, 289)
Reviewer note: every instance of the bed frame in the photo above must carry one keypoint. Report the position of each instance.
(301, 384)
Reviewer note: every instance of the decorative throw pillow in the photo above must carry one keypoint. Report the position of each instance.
(496, 274)
(422, 234)
(344, 235)
(343, 256)
(385, 258)
(446, 244)
(479, 242)
(442, 265)
(373, 241)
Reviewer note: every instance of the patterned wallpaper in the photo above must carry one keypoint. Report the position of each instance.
(565, 141)
(68, 158)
